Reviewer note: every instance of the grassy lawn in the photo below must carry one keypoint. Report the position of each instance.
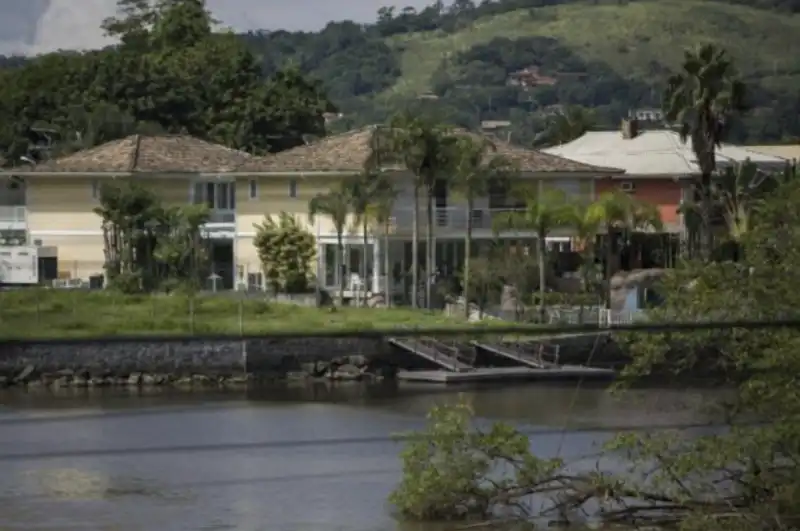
(68, 313)
(626, 37)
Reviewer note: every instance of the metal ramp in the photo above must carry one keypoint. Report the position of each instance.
(538, 355)
(443, 355)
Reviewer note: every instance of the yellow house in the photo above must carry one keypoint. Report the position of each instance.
(311, 169)
(54, 207)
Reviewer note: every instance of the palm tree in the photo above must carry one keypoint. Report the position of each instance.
(363, 191)
(565, 126)
(542, 214)
(475, 168)
(380, 211)
(735, 195)
(585, 227)
(336, 206)
(620, 214)
(702, 98)
(422, 147)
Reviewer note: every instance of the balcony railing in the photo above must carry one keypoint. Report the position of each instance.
(450, 218)
(13, 214)
(222, 216)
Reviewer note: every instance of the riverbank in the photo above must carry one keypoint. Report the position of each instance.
(48, 313)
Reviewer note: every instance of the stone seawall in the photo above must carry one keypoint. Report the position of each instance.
(191, 362)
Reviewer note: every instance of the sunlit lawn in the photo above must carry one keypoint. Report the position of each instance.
(71, 313)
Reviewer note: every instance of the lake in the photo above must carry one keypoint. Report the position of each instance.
(282, 485)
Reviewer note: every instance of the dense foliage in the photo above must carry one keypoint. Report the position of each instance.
(742, 477)
(286, 251)
(149, 246)
(169, 73)
(372, 71)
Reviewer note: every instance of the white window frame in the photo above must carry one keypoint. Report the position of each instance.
(230, 194)
(252, 189)
(293, 188)
(95, 189)
(627, 186)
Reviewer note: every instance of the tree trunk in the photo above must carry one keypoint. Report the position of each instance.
(609, 269)
(708, 235)
(467, 252)
(364, 280)
(429, 251)
(415, 251)
(387, 296)
(340, 265)
(542, 277)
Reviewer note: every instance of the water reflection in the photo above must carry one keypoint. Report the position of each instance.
(341, 486)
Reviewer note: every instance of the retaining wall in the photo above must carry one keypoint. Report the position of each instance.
(190, 362)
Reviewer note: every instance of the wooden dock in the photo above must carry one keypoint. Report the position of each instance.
(497, 374)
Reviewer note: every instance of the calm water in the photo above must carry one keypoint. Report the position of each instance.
(290, 488)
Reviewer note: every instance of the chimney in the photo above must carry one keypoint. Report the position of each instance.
(630, 128)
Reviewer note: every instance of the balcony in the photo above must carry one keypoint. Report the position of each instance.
(448, 219)
(13, 217)
(221, 217)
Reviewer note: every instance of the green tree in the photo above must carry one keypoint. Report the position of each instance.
(172, 72)
(423, 147)
(380, 211)
(703, 98)
(541, 215)
(475, 167)
(335, 205)
(146, 245)
(565, 126)
(620, 215)
(449, 469)
(586, 227)
(287, 252)
(365, 191)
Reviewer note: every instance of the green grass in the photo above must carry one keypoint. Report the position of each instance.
(625, 37)
(65, 313)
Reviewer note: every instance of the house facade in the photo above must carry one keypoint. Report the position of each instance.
(53, 203)
(658, 166)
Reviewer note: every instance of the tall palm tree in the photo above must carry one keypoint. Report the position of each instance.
(735, 195)
(702, 98)
(475, 168)
(363, 191)
(422, 147)
(336, 206)
(380, 211)
(620, 214)
(542, 214)
(585, 228)
(565, 126)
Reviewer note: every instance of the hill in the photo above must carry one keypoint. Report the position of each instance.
(610, 56)
(515, 60)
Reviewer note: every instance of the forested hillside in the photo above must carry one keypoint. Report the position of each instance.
(505, 59)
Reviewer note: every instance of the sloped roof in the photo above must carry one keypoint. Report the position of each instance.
(148, 154)
(651, 152)
(349, 151)
(788, 152)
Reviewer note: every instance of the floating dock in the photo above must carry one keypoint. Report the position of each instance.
(496, 374)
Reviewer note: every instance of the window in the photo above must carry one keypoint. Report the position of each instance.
(293, 188)
(215, 195)
(95, 189)
(627, 186)
(253, 189)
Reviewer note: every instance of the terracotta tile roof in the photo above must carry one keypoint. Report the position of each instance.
(349, 151)
(344, 152)
(148, 154)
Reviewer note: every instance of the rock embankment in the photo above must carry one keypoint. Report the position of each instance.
(191, 363)
(354, 368)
